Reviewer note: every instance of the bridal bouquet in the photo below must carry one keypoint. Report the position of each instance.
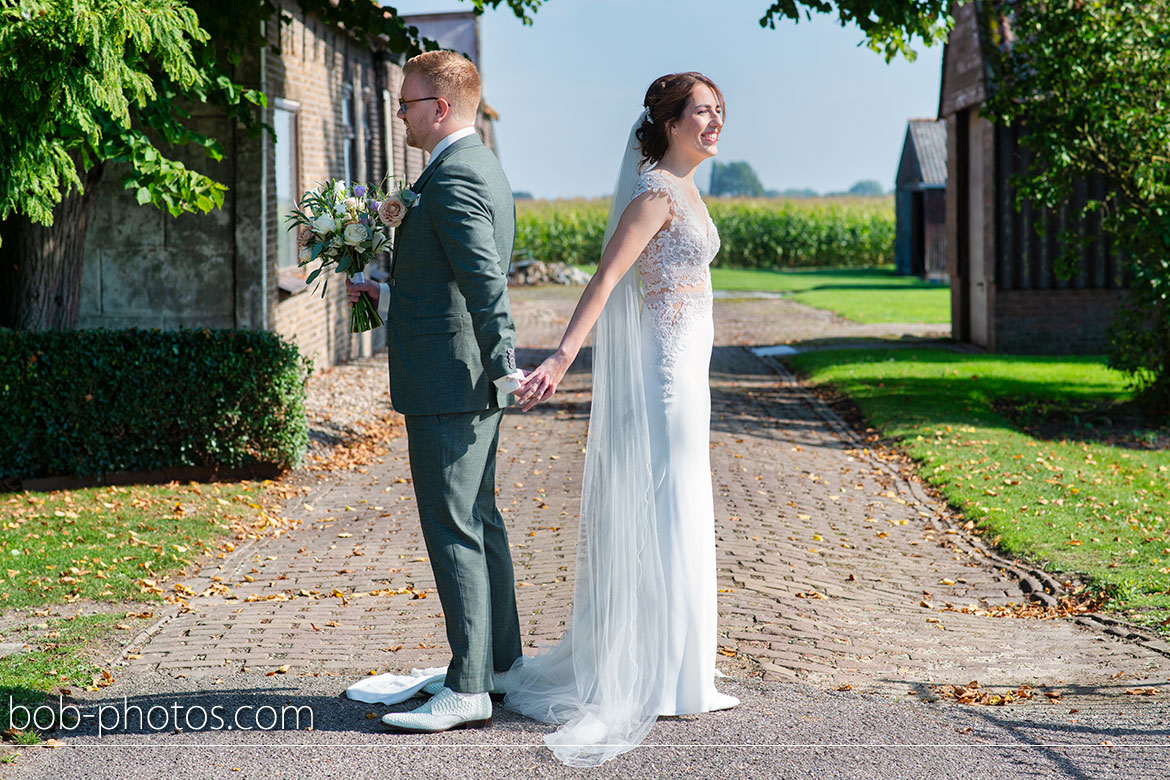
(345, 227)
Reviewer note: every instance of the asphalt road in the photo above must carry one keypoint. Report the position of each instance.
(780, 730)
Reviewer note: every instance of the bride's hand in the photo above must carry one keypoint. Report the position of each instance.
(542, 382)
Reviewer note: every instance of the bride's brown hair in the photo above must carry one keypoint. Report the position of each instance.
(664, 103)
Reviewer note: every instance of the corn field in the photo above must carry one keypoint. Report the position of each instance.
(755, 233)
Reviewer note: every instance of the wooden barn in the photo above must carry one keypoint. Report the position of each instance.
(920, 200)
(1005, 294)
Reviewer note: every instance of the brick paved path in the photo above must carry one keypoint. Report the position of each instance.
(825, 559)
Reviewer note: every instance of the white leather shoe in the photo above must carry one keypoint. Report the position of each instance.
(499, 686)
(443, 712)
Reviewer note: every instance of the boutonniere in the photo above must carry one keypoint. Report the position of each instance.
(392, 210)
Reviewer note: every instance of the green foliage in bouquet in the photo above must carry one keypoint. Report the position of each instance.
(90, 402)
(755, 233)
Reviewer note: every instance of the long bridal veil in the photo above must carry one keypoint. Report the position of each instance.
(603, 681)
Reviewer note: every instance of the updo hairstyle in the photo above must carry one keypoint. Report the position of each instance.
(665, 101)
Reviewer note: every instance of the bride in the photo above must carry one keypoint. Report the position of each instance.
(642, 638)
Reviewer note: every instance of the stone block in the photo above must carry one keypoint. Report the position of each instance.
(118, 221)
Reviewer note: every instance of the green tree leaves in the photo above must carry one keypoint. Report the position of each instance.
(889, 25)
(735, 179)
(1090, 82)
(71, 73)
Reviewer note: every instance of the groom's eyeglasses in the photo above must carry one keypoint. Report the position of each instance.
(402, 104)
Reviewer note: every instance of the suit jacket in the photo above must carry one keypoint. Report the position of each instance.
(450, 332)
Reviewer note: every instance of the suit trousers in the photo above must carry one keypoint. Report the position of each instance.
(453, 464)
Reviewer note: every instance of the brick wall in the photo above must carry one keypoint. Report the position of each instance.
(1052, 322)
(317, 68)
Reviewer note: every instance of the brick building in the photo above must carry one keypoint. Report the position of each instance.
(332, 103)
(1005, 293)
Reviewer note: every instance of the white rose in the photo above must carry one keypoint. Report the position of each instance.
(339, 188)
(355, 233)
(353, 204)
(324, 225)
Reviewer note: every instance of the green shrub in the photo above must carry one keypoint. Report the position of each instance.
(89, 402)
(754, 233)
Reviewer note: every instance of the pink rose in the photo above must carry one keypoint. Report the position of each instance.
(392, 210)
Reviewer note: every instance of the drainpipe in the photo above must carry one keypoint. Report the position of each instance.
(263, 195)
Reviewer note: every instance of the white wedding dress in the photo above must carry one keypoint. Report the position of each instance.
(642, 639)
(677, 336)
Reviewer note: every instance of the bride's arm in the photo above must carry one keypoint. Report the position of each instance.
(644, 217)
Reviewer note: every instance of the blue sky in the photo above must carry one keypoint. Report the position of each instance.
(806, 106)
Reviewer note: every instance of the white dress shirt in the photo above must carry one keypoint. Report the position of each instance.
(506, 384)
(462, 132)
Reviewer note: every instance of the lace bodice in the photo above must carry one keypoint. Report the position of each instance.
(678, 256)
(675, 268)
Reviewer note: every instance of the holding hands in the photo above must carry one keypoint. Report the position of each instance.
(541, 383)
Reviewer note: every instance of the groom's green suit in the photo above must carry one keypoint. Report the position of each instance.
(449, 335)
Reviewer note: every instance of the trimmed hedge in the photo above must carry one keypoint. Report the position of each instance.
(85, 403)
(754, 233)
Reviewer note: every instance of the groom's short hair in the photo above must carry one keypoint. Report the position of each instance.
(451, 76)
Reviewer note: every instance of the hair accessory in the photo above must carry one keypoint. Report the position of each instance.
(649, 119)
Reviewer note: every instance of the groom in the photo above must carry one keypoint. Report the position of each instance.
(450, 340)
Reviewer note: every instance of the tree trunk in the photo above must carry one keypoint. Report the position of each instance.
(40, 267)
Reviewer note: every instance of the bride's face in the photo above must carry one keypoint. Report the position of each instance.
(697, 130)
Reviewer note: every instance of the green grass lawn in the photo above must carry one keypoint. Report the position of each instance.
(60, 658)
(859, 294)
(103, 544)
(110, 543)
(1085, 495)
